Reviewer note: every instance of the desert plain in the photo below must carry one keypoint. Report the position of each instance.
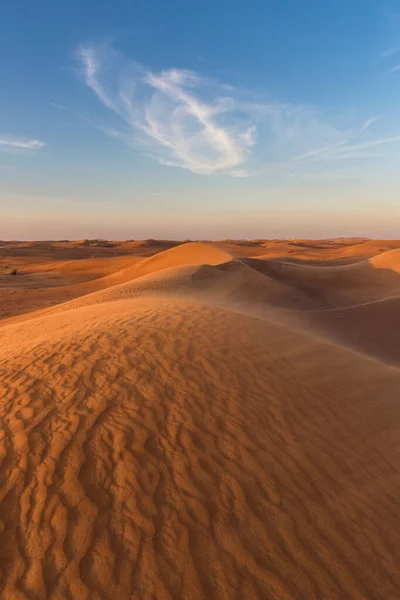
(200, 420)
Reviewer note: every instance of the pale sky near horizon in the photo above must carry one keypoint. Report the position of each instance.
(207, 120)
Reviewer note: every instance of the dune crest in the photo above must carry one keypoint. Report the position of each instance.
(387, 260)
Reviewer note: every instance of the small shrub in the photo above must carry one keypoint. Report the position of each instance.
(14, 272)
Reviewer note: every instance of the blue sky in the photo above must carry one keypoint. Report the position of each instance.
(156, 118)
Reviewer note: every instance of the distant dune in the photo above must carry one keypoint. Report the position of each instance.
(210, 420)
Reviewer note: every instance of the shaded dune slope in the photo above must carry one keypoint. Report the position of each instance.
(372, 328)
(357, 305)
(334, 286)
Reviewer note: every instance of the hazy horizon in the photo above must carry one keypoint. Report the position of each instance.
(183, 240)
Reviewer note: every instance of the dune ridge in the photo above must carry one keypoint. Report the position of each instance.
(159, 441)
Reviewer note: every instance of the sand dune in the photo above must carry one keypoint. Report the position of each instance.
(53, 272)
(372, 328)
(228, 283)
(343, 285)
(387, 260)
(159, 441)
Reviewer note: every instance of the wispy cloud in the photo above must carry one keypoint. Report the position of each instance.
(390, 52)
(179, 117)
(395, 69)
(347, 150)
(367, 124)
(92, 64)
(59, 106)
(11, 143)
(183, 119)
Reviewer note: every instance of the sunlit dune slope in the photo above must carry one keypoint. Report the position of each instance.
(82, 277)
(232, 282)
(179, 257)
(162, 447)
(196, 269)
(192, 253)
(388, 260)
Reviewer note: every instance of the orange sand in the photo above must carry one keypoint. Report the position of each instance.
(210, 421)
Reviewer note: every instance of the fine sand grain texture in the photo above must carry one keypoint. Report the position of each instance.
(203, 423)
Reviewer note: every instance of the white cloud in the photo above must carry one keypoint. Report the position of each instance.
(92, 65)
(20, 144)
(395, 69)
(185, 120)
(367, 124)
(375, 142)
(176, 115)
(249, 136)
(347, 150)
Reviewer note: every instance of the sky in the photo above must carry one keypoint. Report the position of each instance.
(199, 119)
